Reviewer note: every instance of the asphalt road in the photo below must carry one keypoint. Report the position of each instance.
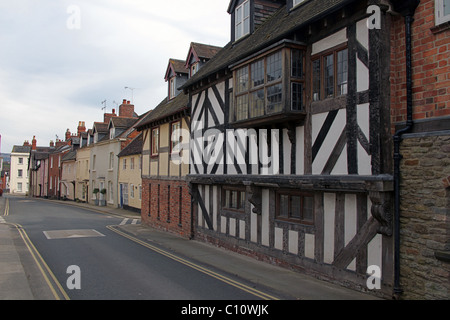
(90, 261)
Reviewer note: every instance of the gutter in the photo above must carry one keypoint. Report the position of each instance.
(406, 9)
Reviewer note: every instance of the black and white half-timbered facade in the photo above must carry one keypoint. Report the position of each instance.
(289, 139)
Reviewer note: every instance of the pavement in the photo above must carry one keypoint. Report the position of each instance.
(15, 283)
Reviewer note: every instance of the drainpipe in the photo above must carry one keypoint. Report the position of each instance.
(406, 9)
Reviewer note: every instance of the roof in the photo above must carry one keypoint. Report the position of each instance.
(21, 149)
(276, 28)
(165, 109)
(70, 156)
(202, 51)
(120, 122)
(134, 147)
(176, 66)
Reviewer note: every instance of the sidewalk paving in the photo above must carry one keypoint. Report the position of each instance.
(289, 284)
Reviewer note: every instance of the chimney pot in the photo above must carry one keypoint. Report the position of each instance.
(124, 101)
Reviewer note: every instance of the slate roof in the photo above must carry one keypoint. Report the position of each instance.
(165, 109)
(21, 149)
(274, 29)
(134, 147)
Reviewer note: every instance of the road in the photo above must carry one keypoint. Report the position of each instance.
(81, 256)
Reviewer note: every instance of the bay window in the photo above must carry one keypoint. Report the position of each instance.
(270, 85)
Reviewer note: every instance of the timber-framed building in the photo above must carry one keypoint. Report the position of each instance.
(291, 157)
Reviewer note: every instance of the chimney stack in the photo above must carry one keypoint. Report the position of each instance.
(26, 143)
(108, 116)
(68, 135)
(126, 109)
(81, 128)
(52, 144)
(33, 143)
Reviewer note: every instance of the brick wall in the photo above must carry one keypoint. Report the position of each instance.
(425, 211)
(162, 208)
(431, 66)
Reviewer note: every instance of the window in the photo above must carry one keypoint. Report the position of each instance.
(20, 173)
(124, 164)
(295, 206)
(442, 11)
(155, 141)
(194, 69)
(20, 160)
(132, 163)
(234, 199)
(242, 20)
(19, 186)
(175, 136)
(132, 190)
(296, 2)
(329, 75)
(263, 87)
(112, 133)
(110, 191)
(172, 92)
(111, 160)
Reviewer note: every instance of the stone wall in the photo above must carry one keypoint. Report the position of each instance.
(425, 210)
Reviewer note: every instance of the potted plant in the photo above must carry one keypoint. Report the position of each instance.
(103, 198)
(96, 191)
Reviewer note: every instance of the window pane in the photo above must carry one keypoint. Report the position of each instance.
(242, 107)
(308, 208)
(233, 199)
(316, 79)
(257, 103)
(297, 63)
(274, 97)
(227, 198)
(257, 73)
(446, 7)
(297, 96)
(242, 200)
(274, 67)
(284, 204)
(242, 79)
(296, 202)
(329, 75)
(342, 72)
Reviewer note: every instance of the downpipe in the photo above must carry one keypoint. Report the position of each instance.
(397, 290)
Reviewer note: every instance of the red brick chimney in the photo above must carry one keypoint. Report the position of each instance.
(26, 143)
(126, 109)
(108, 116)
(33, 143)
(52, 144)
(81, 128)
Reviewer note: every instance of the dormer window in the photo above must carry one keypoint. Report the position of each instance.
(172, 91)
(242, 20)
(194, 69)
(112, 133)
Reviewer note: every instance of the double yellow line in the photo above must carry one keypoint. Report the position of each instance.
(53, 283)
(192, 265)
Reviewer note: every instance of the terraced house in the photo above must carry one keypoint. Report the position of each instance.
(292, 141)
(166, 202)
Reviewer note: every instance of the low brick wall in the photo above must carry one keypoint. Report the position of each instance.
(424, 217)
(166, 205)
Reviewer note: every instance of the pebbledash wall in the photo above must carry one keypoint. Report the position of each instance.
(425, 167)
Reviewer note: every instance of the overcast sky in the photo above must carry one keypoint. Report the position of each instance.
(60, 59)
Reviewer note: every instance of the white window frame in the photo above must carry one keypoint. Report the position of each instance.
(439, 15)
(172, 88)
(241, 20)
(296, 2)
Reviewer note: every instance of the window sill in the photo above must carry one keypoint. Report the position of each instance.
(270, 119)
(441, 27)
